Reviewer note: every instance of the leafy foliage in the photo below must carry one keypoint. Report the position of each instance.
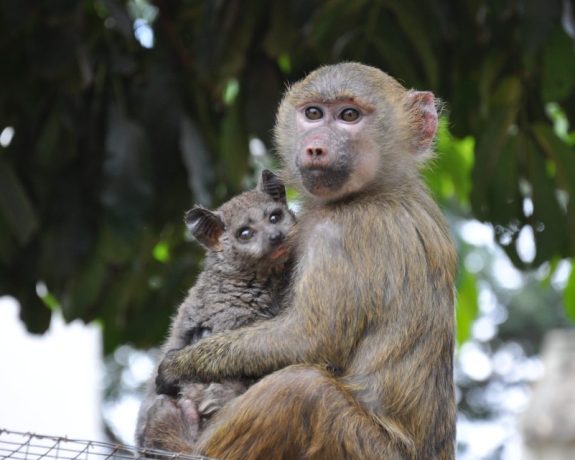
(114, 140)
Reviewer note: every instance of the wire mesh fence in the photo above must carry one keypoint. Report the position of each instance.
(30, 446)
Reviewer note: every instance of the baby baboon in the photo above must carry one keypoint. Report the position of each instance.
(242, 281)
(371, 295)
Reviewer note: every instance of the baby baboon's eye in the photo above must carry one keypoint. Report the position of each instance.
(245, 234)
(350, 115)
(313, 113)
(276, 216)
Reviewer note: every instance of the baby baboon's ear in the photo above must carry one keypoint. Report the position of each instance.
(272, 185)
(205, 226)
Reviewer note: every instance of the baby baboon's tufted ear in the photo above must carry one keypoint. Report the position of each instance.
(272, 185)
(205, 226)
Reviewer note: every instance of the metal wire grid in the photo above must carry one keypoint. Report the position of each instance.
(29, 446)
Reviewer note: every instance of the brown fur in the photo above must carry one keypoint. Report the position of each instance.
(371, 296)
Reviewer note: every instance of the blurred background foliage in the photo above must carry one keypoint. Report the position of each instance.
(116, 116)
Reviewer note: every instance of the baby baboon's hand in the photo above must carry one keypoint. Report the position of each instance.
(168, 379)
(171, 424)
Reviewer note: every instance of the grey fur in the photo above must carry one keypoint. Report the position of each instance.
(241, 282)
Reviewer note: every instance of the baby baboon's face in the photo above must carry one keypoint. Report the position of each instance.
(249, 231)
(256, 229)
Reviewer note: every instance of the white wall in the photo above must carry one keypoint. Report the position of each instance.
(50, 384)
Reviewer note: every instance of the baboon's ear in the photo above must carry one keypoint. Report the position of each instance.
(272, 185)
(424, 116)
(205, 226)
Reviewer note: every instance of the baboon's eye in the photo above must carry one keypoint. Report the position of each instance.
(276, 216)
(350, 115)
(245, 234)
(313, 113)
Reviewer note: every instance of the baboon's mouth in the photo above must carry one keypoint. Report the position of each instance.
(279, 252)
(324, 180)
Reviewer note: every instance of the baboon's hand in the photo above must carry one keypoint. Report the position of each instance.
(168, 379)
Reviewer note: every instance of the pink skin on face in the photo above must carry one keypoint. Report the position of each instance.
(319, 147)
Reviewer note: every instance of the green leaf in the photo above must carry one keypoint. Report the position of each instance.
(553, 264)
(394, 58)
(466, 306)
(264, 86)
(127, 173)
(196, 158)
(8, 250)
(415, 27)
(569, 294)
(234, 148)
(161, 252)
(15, 205)
(563, 158)
(238, 29)
(284, 63)
(85, 289)
(501, 203)
(281, 36)
(231, 91)
(449, 175)
(560, 123)
(464, 115)
(561, 153)
(48, 298)
(558, 67)
(549, 221)
(496, 157)
(490, 70)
